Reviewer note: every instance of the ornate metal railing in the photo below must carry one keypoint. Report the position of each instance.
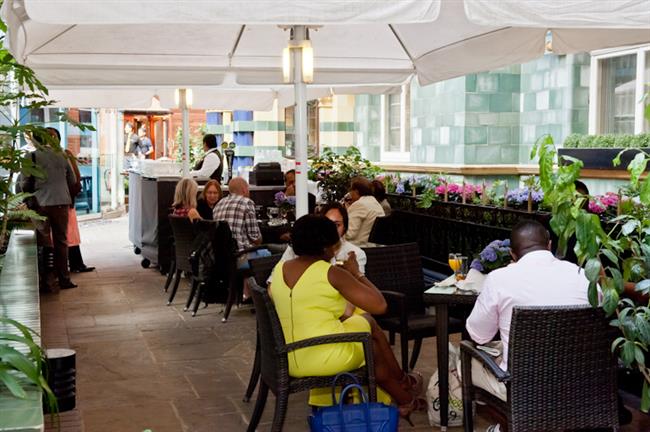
(448, 227)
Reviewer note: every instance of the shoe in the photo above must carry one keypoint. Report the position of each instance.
(406, 410)
(82, 269)
(66, 284)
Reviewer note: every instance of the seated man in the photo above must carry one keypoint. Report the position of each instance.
(536, 278)
(363, 211)
(239, 211)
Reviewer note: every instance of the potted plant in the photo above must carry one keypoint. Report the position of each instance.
(334, 171)
(615, 256)
(598, 151)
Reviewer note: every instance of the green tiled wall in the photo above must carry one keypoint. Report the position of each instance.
(488, 118)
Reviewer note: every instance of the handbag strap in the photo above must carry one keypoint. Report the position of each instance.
(336, 378)
(366, 407)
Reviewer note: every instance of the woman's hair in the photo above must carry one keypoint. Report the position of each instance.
(378, 190)
(209, 184)
(210, 141)
(55, 131)
(338, 207)
(361, 185)
(311, 234)
(185, 194)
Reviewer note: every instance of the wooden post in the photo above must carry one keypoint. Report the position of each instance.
(463, 193)
(505, 196)
(530, 199)
(446, 197)
(484, 195)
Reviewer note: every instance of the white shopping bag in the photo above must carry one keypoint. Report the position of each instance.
(455, 393)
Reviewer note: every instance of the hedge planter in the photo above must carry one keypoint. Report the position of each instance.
(601, 158)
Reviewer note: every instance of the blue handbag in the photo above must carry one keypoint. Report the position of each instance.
(363, 417)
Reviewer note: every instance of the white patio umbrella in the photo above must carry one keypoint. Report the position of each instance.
(187, 43)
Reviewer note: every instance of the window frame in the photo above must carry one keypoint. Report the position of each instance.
(595, 81)
(404, 153)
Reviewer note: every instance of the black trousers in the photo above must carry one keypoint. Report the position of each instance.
(53, 232)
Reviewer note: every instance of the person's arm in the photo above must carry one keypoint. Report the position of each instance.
(250, 224)
(69, 175)
(210, 164)
(483, 323)
(357, 289)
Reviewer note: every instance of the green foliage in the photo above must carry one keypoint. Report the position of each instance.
(334, 171)
(607, 141)
(19, 370)
(611, 259)
(196, 144)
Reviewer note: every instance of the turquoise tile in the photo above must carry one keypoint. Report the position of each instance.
(556, 100)
(488, 154)
(475, 135)
(470, 83)
(509, 82)
(530, 101)
(580, 97)
(456, 135)
(499, 135)
(477, 102)
(487, 83)
(500, 102)
(510, 154)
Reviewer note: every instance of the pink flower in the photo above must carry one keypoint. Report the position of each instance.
(610, 199)
(454, 188)
(595, 207)
(440, 189)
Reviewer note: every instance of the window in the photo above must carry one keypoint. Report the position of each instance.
(395, 126)
(290, 131)
(617, 91)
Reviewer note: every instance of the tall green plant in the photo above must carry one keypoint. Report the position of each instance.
(614, 257)
(334, 171)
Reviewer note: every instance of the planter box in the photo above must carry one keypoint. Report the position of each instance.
(601, 158)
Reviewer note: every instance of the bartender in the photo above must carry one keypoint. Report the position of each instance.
(210, 166)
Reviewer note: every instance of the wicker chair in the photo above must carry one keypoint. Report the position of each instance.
(561, 373)
(184, 234)
(397, 271)
(261, 269)
(275, 364)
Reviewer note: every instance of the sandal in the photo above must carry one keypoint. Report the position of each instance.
(415, 382)
(407, 409)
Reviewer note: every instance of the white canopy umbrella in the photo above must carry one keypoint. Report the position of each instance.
(187, 43)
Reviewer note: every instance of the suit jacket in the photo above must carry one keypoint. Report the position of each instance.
(54, 188)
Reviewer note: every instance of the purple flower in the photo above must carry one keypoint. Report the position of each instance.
(488, 254)
(400, 188)
(476, 265)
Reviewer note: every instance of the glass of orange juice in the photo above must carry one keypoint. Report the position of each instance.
(453, 262)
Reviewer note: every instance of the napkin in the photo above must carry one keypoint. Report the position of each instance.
(441, 290)
(473, 281)
(450, 281)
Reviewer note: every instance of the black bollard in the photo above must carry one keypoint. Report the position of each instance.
(62, 377)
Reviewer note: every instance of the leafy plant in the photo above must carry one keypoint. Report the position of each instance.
(615, 257)
(607, 141)
(335, 171)
(21, 370)
(196, 144)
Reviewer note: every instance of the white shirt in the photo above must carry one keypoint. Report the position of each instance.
(537, 279)
(341, 255)
(211, 162)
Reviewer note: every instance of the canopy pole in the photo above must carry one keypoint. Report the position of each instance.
(299, 34)
(186, 131)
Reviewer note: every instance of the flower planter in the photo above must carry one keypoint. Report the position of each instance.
(601, 158)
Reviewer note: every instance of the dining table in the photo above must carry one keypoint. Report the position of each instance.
(442, 302)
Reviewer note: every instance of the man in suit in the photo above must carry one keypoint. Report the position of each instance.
(210, 166)
(53, 196)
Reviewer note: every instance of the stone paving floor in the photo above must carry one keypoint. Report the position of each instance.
(144, 365)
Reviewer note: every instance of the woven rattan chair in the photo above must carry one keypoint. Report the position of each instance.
(261, 269)
(275, 364)
(184, 234)
(561, 373)
(397, 271)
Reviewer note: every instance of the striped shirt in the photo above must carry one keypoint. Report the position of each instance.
(239, 212)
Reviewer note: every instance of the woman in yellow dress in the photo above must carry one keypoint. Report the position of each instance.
(310, 297)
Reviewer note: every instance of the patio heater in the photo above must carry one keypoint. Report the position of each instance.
(299, 52)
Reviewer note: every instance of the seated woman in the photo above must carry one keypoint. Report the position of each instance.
(379, 192)
(209, 198)
(362, 211)
(185, 198)
(310, 296)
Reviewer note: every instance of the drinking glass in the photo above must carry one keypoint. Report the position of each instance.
(463, 267)
(272, 213)
(453, 262)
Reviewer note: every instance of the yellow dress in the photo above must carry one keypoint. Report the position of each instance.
(312, 308)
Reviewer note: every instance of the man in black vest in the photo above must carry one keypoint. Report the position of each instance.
(210, 166)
